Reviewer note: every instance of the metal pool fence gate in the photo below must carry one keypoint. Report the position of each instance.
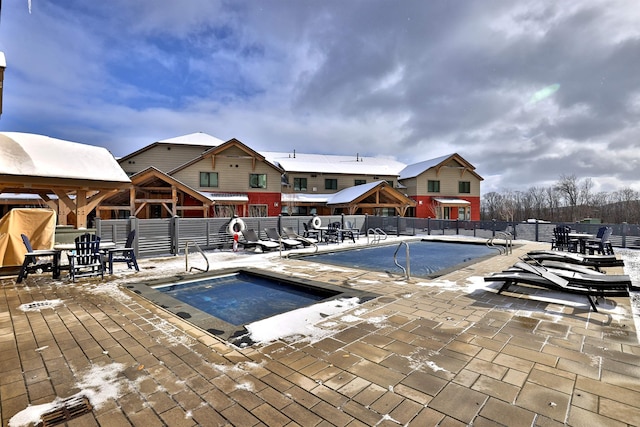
(169, 236)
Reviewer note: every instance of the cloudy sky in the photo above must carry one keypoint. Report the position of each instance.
(527, 91)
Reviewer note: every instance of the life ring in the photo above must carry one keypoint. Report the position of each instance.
(236, 225)
(316, 222)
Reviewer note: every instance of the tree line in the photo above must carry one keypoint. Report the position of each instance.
(570, 199)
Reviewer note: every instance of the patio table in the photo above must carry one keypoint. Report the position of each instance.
(582, 239)
(58, 248)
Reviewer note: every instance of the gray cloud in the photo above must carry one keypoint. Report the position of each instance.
(411, 79)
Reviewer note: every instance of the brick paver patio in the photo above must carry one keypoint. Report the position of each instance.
(424, 353)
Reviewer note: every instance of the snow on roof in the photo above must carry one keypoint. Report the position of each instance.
(417, 168)
(197, 138)
(39, 155)
(3, 60)
(325, 163)
(452, 201)
(350, 194)
(305, 197)
(226, 197)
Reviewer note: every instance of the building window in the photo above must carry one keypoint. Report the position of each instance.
(258, 180)
(258, 211)
(208, 179)
(433, 186)
(464, 187)
(390, 182)
(359, 181)
(330, 184)
(300, 184)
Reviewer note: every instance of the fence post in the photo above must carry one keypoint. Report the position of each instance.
(98, 224)
(457, 226)
(624, 234)
(134, 224)
(429, 226)
(279, 223)
(175, 235)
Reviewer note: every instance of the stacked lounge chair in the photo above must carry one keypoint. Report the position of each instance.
(251, 240)
(592, 284)
(290, 233)
(595, 261)
(287, 243)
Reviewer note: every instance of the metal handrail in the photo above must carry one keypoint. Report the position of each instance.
(186, 257)
(507, 237)
(378, 234)
(407, 271)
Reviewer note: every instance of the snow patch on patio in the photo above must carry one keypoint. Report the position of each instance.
(100, 384)
(300, 323)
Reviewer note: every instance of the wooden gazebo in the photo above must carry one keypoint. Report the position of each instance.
(69, 177)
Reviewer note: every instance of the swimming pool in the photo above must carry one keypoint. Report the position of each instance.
(222, 303)
(427, 258)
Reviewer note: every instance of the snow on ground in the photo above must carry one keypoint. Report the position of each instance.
(299, 323)
(98, 384)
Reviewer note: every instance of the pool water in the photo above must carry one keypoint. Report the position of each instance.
(242, 298)
(427, 258)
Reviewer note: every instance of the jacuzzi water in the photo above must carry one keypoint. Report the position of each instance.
(242, 298)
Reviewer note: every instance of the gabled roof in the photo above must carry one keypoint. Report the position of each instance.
(381, 190)
(198, 139)
(216, 151)
(411, 171)
(153, 177)
(325, 163)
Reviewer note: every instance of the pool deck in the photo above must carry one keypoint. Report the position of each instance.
(446, 352)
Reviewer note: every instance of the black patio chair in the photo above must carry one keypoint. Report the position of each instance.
(124, 254)
(86, 260)
(36, 261)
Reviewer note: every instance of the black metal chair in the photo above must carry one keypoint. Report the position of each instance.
(332, 233)
(124, 254)
(86, 260)
(36, 261)
(601, 244)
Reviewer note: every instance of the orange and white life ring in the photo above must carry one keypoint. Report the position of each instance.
(236, 225)
(316, 222)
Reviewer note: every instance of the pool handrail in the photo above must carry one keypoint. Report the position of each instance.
(407, 271)
(378, 234)
(508, 246)
(186, 257)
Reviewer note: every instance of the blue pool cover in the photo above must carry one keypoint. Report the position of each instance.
(426, 257)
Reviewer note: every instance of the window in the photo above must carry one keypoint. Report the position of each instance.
(208, 179)
(330, 184)
(390, 182)
(300, 184)
(433, 186)
(359, 181)
(464, 187)
(258, 180)
(258, 210)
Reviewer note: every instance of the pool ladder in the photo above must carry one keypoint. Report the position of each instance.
(377, 233)
(407, 271)
(186, 257)
(508, 246)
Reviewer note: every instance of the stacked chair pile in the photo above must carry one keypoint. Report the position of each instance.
(567, 272)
